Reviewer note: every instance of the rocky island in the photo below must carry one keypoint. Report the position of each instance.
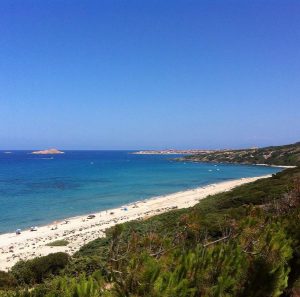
(48, 152)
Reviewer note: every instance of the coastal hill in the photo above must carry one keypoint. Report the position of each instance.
(52, 151)
(286, 155)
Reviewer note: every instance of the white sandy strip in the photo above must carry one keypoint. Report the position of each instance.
(280, 166)
(80, 230)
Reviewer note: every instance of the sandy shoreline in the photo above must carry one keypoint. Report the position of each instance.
(80, 230)
(278, 166)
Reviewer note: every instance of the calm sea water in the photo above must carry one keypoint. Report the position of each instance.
(36, 190)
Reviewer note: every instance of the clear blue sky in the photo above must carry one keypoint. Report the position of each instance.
(132, 74)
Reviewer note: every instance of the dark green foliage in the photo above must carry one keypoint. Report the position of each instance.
(64, 287)
(75, 287)
(216, 271)
(36, 270)
(86, 265)
(7, 280)
(269, 271)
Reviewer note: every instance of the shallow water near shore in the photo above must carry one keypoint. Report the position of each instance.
(38, 189)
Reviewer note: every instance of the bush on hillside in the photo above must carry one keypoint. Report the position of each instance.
(36, 270)
(7, 280)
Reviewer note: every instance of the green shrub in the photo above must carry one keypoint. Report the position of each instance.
(7, 280)
(86, 265)
(62, 242)
(36, 270)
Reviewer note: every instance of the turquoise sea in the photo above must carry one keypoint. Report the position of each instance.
(36, 189)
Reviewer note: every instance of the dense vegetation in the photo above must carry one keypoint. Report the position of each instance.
(272, 155)
(245, 242)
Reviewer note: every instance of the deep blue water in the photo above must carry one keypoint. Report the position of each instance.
(36, 190)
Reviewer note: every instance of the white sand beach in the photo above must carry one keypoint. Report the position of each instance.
(80, 230)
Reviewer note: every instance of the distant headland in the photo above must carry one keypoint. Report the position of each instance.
(173, 152)
(48, 152)
(283, 156)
